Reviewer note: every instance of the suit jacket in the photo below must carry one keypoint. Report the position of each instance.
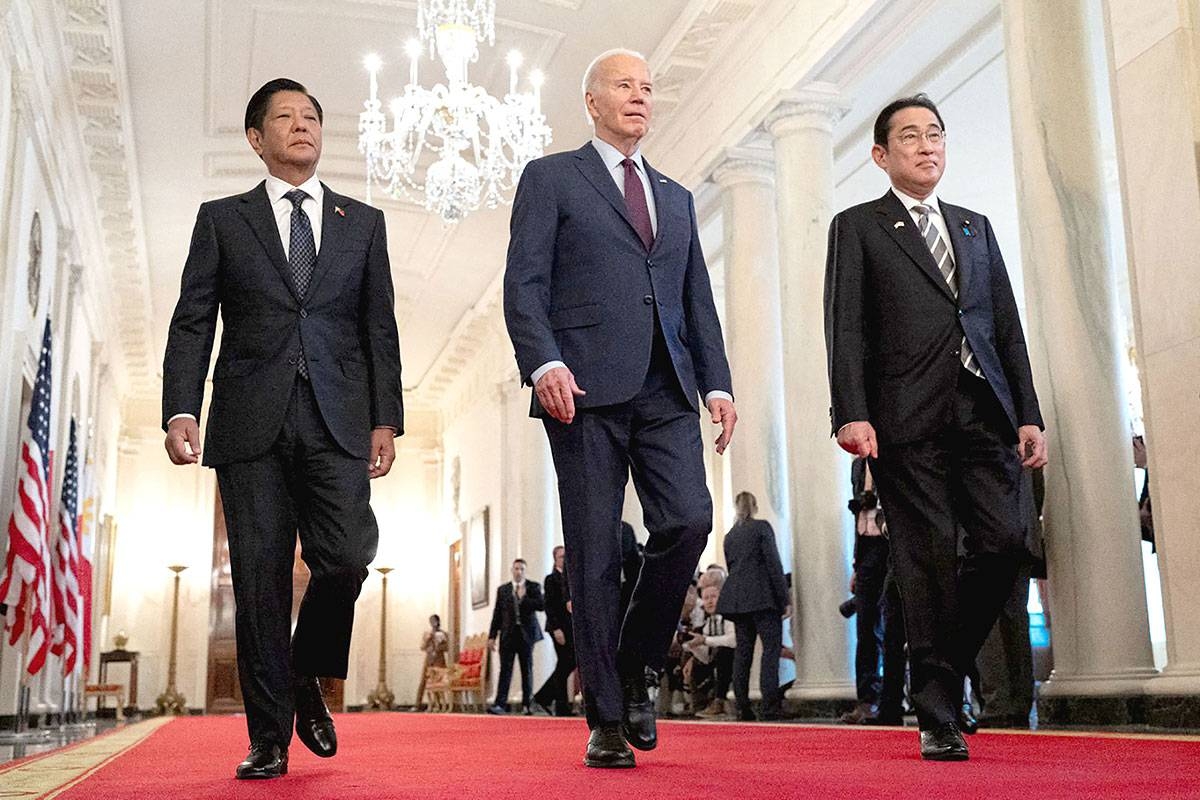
(346, 322)
(557, 616)
(580, 287)
(508, 620)
(755, 581)
(893, 328)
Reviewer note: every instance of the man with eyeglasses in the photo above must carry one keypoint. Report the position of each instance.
(930, 380)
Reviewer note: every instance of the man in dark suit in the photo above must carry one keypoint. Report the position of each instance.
(930, 378)
(755, 597)
(515, 625)
(553, 694)
(610, 311)
(306, 402)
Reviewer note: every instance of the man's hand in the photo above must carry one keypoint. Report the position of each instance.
(556, 391)
(383, 452)
(182, 433)
(858, 438)
(697, 639)
(787, 612)
(1031, 446)
(559, 637)
(724, 414)
(492, 643)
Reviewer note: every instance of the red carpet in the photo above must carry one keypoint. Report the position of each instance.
(465, 757)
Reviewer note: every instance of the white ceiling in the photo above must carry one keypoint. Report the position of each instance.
(192, 64)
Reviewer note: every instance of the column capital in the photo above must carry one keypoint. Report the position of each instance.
(744, 165)
(818, 106)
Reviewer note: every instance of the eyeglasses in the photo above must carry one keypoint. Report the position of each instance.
(935, 136)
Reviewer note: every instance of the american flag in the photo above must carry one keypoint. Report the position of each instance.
(25, 589)
(87, 537)
(67, 631)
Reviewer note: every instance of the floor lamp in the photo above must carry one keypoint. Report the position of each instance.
(382, 698)
(171, 701)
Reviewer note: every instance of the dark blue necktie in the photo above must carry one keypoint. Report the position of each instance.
(302, 255)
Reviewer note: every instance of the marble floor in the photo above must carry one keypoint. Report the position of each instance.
(12, 749)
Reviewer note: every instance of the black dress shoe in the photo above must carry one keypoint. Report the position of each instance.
(943, 743)
(497, 709)
(263, 761)
(637, 723)
(966, 720)
(314, 726)
(606, 749)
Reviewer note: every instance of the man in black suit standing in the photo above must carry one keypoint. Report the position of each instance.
(515, 625)
(553, 694)
(930, 379)
(610, 311)
(306, 402)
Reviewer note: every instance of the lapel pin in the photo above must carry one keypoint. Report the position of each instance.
(899, 224)
(966, 228)
(338, 210)
(662, 180)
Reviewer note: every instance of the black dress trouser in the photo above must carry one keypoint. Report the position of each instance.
(969, 475)
(304, 483)
(656, 437)
(514, 646)
(553, 694)
(767, 625)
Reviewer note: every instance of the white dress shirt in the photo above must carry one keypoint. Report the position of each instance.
(612, 158)
(313, 206)
(282, 209)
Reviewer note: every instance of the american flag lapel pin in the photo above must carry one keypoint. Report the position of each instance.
(338, 210)
(899, 224)
(662, 180)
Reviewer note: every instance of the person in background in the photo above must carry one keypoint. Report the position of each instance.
(434, 643)
(709, 672)
(516, 630)
(755, 598)
(553, 694)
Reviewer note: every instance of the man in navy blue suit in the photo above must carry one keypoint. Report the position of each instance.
(931, 380)
(610, 311)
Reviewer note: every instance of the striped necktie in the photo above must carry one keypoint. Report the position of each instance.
(945, 262)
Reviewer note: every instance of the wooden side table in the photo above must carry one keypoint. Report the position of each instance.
(129, 657)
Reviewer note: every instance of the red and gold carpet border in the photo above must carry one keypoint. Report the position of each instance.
(46, 776)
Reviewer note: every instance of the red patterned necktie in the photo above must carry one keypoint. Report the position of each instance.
(635, 204)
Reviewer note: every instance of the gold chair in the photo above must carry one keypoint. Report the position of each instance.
(468, 675)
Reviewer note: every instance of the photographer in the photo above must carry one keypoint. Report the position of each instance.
(879, 624)
(710, 671)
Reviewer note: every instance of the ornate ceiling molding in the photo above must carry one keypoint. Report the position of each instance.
(691, 46)
(92, 46)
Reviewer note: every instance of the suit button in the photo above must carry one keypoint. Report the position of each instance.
(304, 313)
(649, 263)
(648, 300)
(292, 361)
(954, 352)
(960, 312)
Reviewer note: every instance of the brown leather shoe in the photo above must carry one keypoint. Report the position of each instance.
(265, 760)
(606, 749)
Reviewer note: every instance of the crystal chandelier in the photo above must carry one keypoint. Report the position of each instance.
(479, 144)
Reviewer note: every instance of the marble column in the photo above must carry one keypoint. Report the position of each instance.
(821, 529)
(757, 458)
(1155, 50)
(1100, 631)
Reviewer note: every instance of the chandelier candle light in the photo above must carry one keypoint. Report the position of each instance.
(478, 144)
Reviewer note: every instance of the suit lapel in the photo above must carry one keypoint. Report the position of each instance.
(956, 224)
(592, 166)
(257, 211)
(895, 219)
(658, 189)
(333, 229)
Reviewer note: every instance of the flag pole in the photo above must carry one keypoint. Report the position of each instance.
(22, 733)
